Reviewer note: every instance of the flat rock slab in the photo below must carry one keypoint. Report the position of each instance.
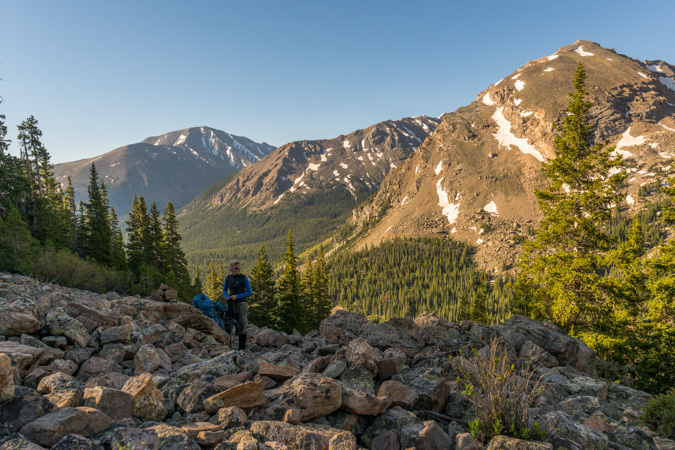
(509, 443)
(277, 373)
(245, 396)
(51, 428)
(25, 406)
(24, 357)
(306, 438)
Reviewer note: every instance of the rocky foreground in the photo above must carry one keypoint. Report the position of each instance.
(80, 370)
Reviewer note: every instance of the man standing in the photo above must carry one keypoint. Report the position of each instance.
(236, 289)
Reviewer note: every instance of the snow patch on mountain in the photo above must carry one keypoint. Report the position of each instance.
(517, 101)
(506, 138)
(655, 68)
(643, 75)
(666, 127)
(549, 69)
(630, 200)
(450, 210)
(487, 100)
(439, 167)
(520, 84)
(628, 141)
(668, 82)
(581, 51)
(552, 57)
(181, 139)
(491, 208)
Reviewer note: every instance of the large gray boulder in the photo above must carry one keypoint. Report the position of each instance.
(19, 315)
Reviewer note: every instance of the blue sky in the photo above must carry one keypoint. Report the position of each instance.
(98, 75)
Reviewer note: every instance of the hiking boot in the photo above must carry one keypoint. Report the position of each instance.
(242, 342)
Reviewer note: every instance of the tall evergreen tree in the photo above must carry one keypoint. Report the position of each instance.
(561, 267)
(97, 235)
(174, 257)
(155, 245)
(71, 208)
(215, 282)
(137, 234)
(119, 259)
(322, 301)
(16, 243)
(307, 298)
(288, 291)
(262, 303)
(198, 286)
(13, 184)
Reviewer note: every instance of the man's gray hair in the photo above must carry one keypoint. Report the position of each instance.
(235, 262)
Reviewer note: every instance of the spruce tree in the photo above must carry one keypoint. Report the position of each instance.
(561, 266)
(137, 234)
(174, 257)
(197, 285)
(262, 303)
(215, 282)
(322, 300)
(307, 298)
(288, 291)
(119, 259)
(155, 244)
(97, 234)
(71, 208)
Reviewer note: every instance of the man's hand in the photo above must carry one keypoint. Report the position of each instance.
(232, 297)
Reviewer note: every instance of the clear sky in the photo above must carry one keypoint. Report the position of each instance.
(101, 74)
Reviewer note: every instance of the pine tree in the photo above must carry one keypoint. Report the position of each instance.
(97, 235)
(322, 300)
(16, 244)
(155, 244)
(71, 208)
(561, 267)
(137, 234)
(262, 303)
(174, 258)
(119, 259)
(479, 306)
(307, 298)
(197, 285)
(215, 282)
(288, 291)
(13, 183)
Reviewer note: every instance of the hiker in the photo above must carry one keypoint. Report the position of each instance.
(236, 289)
(210, 308)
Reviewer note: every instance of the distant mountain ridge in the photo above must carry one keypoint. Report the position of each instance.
(174, 167)
(309, 186)
(474, 178)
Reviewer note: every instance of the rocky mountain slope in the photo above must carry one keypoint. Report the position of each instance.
(474, 178)
(334, 174)
(174, 167)
(80, 370)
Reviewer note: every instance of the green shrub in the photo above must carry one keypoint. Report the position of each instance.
(500, 392)
(659, 414)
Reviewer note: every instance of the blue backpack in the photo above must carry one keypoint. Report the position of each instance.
(207, 307)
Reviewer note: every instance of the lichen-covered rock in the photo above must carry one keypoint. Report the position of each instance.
(52, 427)
(509, 443)
(430, 385)
(562, 429)
(567, 350)
(343, 327)
(302, 437)
(95, 367)
(588, 386)
(149, 401)
(146, 360)
(19, 315)
(271, 338)
(25, 405)
(115, 403)
(361, 354)
(134, 439)
(59, 323)
(536, 355)
(359, 379)
(191, 400)
(335, 368)
(314, 394)
(113, 380)
(173, 438)
(75, 442)
(113, 335)
(230, 417)
(277, 373)
(65, 398)
(6, 378)
(398, 393)
(395, 419)
(58, 382)
(385, 335)
(245, 396)
(355, 402)
(424, 436)
(18, 442)
(24, 357)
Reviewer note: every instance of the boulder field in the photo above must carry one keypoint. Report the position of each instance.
(80, 370)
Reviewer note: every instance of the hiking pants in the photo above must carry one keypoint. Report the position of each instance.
(242, 322)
